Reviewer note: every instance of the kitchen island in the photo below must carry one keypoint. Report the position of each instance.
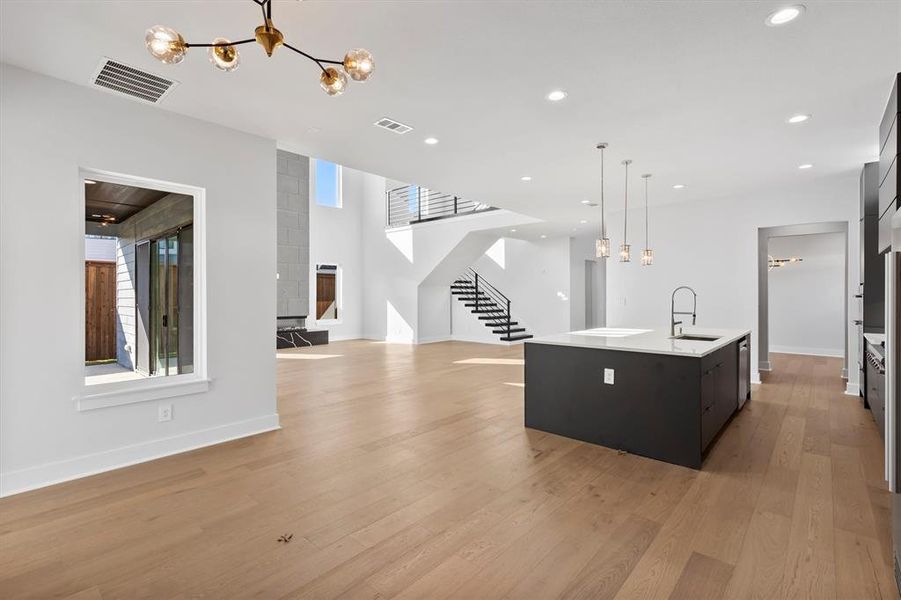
(642, 391)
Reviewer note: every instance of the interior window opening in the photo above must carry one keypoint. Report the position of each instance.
(139, 283)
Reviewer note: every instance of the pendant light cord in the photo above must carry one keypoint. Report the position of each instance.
(626, 206)
(646, 212)
(603, 222)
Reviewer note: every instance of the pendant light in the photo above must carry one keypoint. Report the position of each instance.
(168, 46)
(602, 246)
(647, 255)
(624, 253)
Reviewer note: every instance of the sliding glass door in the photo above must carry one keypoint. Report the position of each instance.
(171, 296)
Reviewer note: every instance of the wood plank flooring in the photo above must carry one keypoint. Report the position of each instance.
(403, 472)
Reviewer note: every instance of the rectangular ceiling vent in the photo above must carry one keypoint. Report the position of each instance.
(117, 77)
(392, 125)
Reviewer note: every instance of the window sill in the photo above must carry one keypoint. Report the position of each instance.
(105, 395)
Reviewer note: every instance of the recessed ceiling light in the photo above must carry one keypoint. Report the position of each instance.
(785, 15)
(525, 178)
(679, 186)
(798, 118)
(583, 221)
(586, 201)
(89, 182)
(512, 231)
(805, 166)
(556, 95)
(431, 141)
(543, 236)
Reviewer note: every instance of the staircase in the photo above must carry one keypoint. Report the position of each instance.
(489, 305)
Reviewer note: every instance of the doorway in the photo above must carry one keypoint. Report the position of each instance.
(594, 300)
(164, 302)
(808, 308)
(100, 311)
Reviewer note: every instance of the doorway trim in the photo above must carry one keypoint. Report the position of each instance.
(763, 237)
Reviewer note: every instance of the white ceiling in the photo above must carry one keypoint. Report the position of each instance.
(693, 92)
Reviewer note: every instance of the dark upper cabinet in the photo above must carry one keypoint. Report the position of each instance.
(869, 190)
(871, 262)
(888, 168)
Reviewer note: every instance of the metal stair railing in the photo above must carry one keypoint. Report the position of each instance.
(492, 293)
(410, 204)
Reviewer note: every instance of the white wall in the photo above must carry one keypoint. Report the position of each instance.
(712, 247)
(336, 238)
(806, 299)
(50, 129)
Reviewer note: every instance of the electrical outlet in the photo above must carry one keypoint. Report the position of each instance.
(608, 376)
(165, 413)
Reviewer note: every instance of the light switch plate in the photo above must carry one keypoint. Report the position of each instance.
(608, 376)
(165, 412)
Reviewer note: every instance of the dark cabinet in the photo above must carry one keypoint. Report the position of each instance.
(664, 406)
(888, 168)
(719, 391)
(876, 396)
(872, 277)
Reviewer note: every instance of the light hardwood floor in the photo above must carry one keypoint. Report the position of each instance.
(403, 473)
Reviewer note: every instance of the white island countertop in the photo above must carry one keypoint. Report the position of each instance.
(647, 341)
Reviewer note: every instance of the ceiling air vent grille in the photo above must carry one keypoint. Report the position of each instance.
(392, 125)
(113, 76)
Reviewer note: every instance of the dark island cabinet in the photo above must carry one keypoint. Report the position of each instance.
(719, 391)
(663, 406)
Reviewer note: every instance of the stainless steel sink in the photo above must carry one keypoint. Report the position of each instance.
(696, 337)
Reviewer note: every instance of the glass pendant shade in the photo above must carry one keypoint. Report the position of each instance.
(333, 81)
(602, 248)
(165, 44)
(647, 257)
(625, 253)
(224, 58)
(358, 64)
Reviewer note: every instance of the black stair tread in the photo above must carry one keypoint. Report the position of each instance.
(511, 330)
(499, 323)
(516, 338)
(486, 311)
(482, 304)
(493, 317)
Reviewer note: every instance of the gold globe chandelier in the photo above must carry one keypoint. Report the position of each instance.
(168, 46)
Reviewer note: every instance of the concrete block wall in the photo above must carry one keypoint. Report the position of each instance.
(293, 185)
(166, 213)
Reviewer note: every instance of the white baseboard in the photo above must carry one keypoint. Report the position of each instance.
(23, 480)
(344, 338)
(475, 339)
(433, 340)
(808, 351)
(852, 389)
(755, 377)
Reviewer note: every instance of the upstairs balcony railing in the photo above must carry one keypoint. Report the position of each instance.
(413, 204)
